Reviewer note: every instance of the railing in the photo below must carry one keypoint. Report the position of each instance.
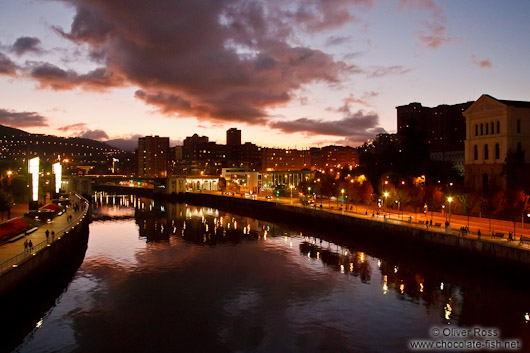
(20, 258)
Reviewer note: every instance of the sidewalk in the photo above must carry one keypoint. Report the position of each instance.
(418, 220)
(58, 225)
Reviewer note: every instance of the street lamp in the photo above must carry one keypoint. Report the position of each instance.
(342, 197)
(449, 199)
(291, 186)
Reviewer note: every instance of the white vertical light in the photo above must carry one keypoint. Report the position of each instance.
(57, 170)
(34, 171)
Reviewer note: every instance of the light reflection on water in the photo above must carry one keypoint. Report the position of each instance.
(184, 278)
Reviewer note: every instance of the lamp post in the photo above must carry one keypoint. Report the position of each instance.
(449, 199)
(291, 186)
(386, 196)
(342, 198)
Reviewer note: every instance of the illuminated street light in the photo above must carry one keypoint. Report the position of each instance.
(449, 199)
(291, 186)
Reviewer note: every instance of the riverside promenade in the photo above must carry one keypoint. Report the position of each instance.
(13, 254)
(400, 227)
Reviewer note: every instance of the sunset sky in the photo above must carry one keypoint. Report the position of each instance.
(294, 73)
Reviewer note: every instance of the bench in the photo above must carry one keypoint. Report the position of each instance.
(498, 235)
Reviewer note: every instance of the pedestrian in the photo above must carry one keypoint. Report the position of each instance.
(30, 245)
(478, 233)
(521, 240)
(47, 232)
(53, 234)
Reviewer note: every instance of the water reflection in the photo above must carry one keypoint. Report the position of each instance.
(182, 277)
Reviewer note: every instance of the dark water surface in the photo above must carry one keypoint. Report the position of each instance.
(181, 278)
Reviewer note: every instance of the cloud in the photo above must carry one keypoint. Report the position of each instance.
(389, 70)
(94, 135)
(75, 127)
(337, 40)
(483, 63)
(21, 119)
(434, 35)
(7, 67)
(216, 60)
(355, 128)
(26, 44)
(363, 100)
(51, 76)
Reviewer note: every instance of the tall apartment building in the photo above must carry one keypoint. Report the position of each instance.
(153, 156)
(338, 155)
(495, 129)
(284, 159)
(441, 131)
(233, 137)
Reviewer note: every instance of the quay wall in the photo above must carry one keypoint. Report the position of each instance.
(43, 265)
(396, 234)
(387, 231)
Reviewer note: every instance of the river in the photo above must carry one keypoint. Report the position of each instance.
(162, 277)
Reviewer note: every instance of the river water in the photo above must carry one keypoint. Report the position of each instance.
(182, 278)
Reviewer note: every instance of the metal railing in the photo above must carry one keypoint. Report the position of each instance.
(28, 253)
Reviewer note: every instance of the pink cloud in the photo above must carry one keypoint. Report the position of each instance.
(482, 63)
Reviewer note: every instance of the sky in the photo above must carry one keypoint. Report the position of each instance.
(293, 74)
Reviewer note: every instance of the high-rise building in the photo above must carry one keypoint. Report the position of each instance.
(437, 133)
(153, 156)
(233, 137)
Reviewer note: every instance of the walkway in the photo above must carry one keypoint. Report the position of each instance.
(12, 253)
(417, 220)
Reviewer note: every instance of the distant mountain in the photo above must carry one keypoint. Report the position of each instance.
(6, 131)
(19, 144)
(128, 145)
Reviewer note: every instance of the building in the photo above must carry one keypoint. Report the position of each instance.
(284, 159)
(153, 156)
(332, 156)
(233, 137)
(496, 131)
(439, 131)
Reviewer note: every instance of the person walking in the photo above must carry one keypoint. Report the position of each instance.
(47, 232)
(30, 244)
(53, 234)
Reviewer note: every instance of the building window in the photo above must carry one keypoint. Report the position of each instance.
(498, 127)
(486, 154)
(497, 151)
(487, 128)
(518, 126)
(492, 128)
(476, 130)
(481, 129)
(475, 152)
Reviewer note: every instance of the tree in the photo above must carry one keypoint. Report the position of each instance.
(492, 204)
(5, 203)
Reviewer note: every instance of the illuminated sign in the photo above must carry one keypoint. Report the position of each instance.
(58, 171)
(33, 168)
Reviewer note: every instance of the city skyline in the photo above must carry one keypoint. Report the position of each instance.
(312, 73)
